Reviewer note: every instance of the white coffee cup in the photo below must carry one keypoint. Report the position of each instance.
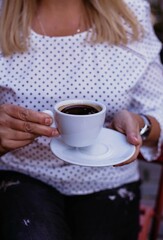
(78, 130)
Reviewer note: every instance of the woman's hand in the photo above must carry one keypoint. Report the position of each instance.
(20, 126)
(129, 124)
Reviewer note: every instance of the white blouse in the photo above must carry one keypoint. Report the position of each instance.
(59, 68)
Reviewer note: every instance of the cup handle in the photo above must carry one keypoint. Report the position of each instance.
(51, 114)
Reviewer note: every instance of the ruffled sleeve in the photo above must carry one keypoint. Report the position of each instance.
(147, 94)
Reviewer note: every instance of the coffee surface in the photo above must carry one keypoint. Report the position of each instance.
(79, 109)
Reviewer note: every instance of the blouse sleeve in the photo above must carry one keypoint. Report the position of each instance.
(147, 94)
(147, 98)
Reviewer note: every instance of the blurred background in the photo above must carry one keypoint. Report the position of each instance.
(157, 18)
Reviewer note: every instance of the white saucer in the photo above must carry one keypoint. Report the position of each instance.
(110, 148)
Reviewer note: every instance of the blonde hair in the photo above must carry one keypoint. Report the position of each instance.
(107, 17)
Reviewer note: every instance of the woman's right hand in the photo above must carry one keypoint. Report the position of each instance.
(20, 126)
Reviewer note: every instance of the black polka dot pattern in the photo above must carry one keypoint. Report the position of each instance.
(59, 68)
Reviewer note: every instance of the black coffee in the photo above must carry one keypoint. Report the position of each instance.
(80, 109)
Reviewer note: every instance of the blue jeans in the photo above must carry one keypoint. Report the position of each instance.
(32, 210)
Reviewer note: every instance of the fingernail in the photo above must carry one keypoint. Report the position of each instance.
(54, 133)
(135, 138)
(48, 121)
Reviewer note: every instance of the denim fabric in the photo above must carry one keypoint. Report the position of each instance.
(32, 210)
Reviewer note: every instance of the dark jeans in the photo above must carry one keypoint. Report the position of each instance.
(32, 210)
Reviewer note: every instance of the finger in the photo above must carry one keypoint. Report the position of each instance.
(30, 127)
(15, 139)
(133, 158)
(132, 132)
(124, 163)
(134, 138)
(27, 115)
(9, 145)
(38, 129)
(16, 135)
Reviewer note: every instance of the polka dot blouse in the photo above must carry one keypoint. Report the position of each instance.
(59, 68)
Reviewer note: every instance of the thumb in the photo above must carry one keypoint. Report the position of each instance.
(133, 134)
(134, 138)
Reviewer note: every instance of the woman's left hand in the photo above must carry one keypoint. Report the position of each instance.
(128, 123)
